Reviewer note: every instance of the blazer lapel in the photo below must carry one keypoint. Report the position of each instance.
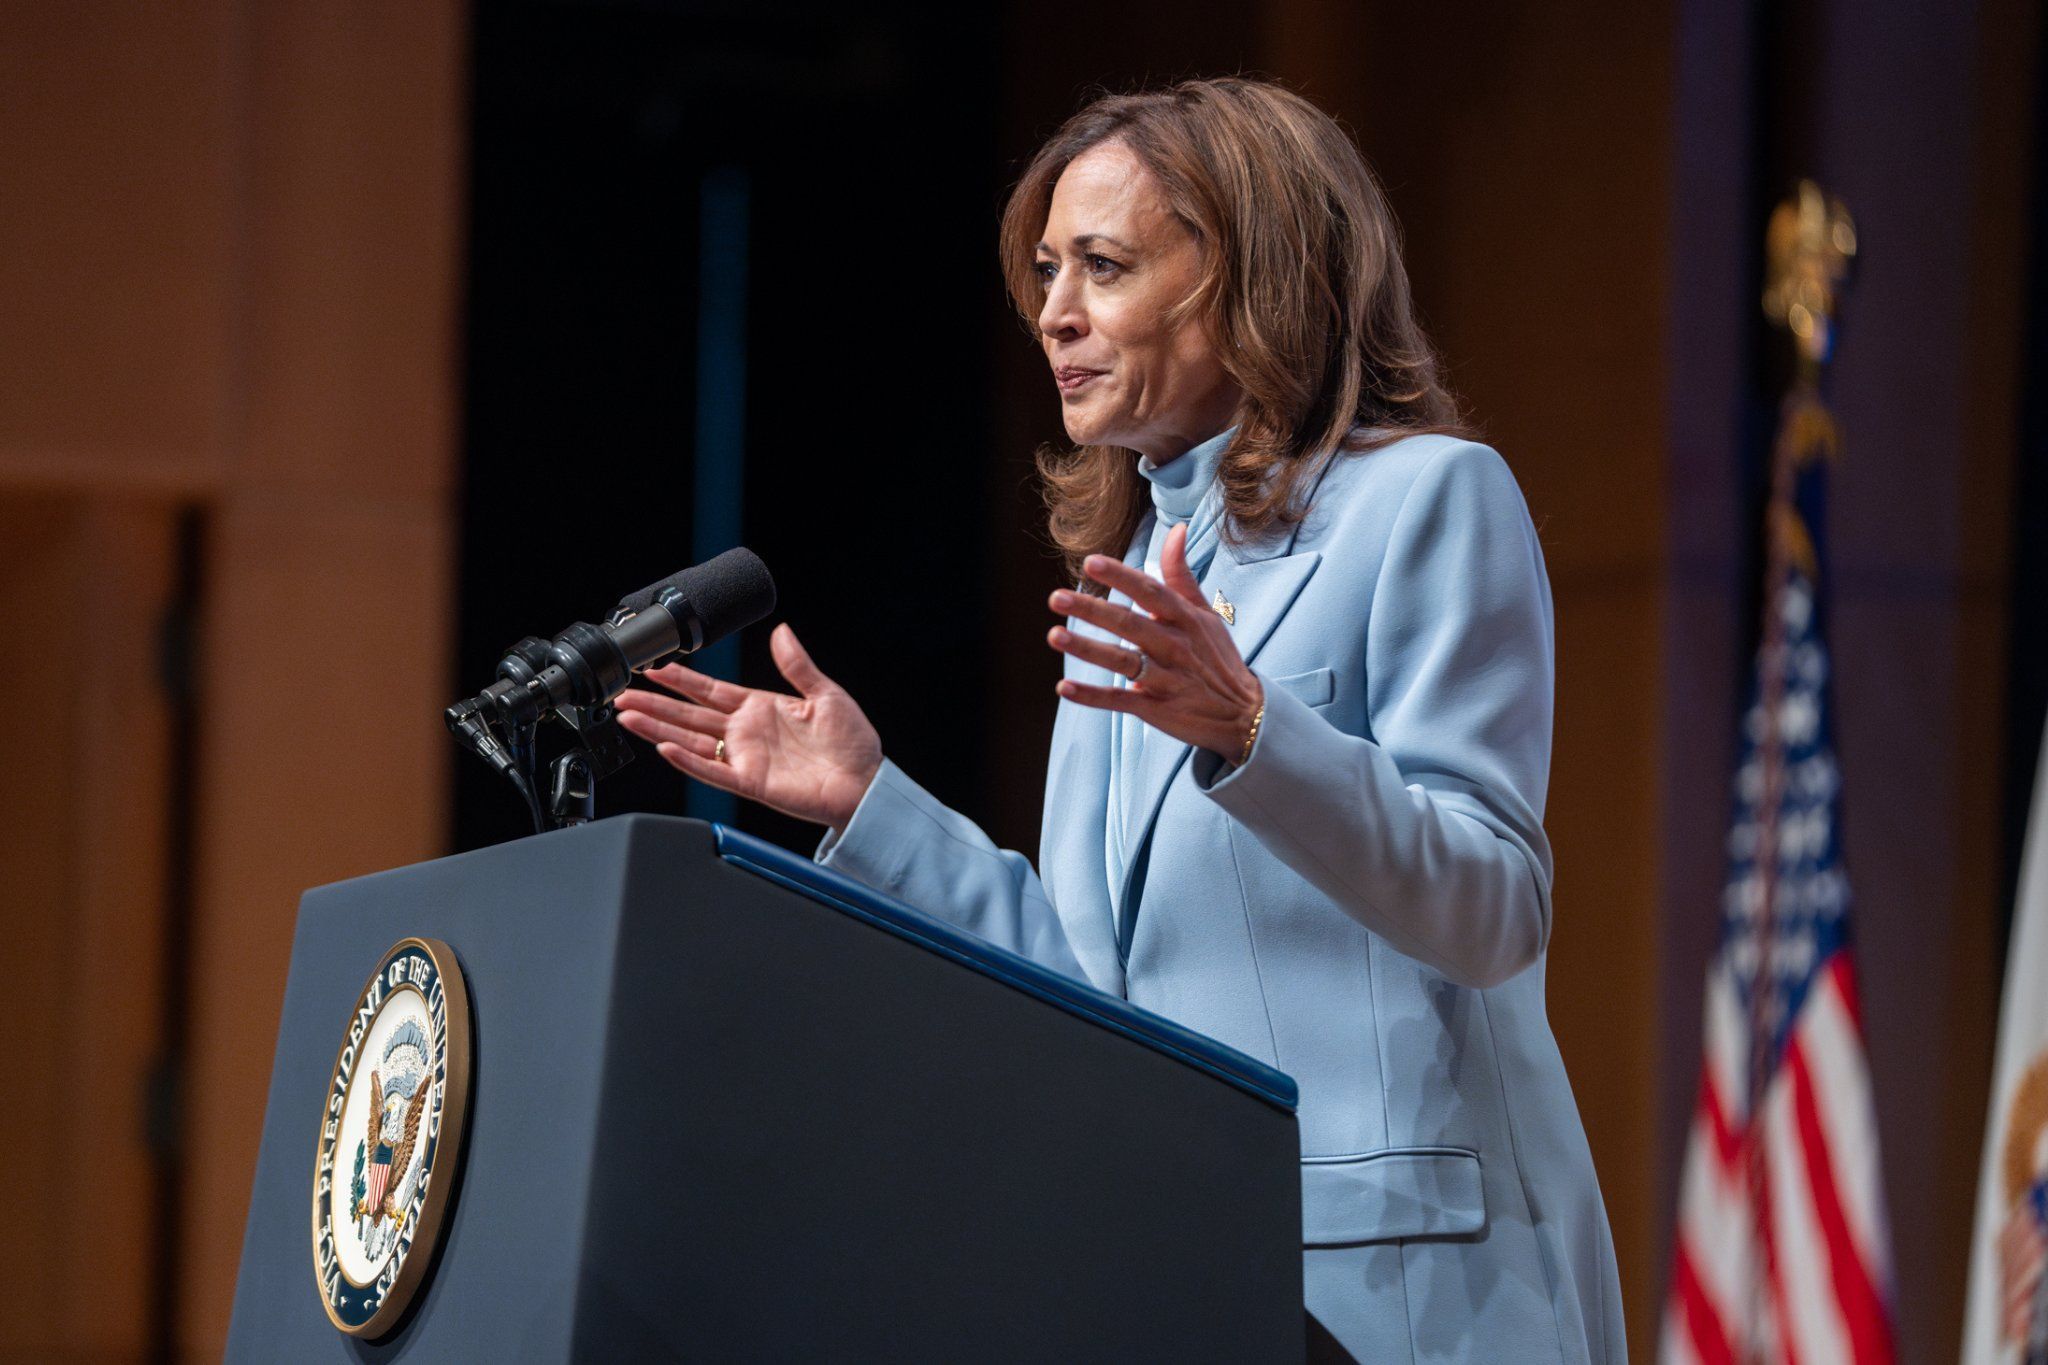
(1071, 859)
(1260, 590)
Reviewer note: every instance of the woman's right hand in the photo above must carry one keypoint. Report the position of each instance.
(811, 755)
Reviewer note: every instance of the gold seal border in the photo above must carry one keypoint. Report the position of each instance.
(454, 1110)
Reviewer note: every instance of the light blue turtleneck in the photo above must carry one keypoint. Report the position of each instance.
(1184, 489)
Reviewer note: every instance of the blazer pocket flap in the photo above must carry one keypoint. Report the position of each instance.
(1397, 1192)
(1312, 688)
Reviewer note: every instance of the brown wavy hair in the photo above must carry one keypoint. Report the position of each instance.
(1302, 291)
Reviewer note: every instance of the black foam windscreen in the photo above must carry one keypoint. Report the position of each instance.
(725, 593)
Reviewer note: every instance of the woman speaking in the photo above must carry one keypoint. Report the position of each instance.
(1296, 787)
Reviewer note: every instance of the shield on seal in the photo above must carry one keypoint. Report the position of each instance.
(377, 1171)
(374, 1179)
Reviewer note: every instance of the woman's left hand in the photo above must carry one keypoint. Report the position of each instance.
(1188, 680)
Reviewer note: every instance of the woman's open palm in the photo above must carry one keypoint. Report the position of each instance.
(811, 755)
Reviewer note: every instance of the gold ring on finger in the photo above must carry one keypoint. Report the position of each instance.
(718, 754)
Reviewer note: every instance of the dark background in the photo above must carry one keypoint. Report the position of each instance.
(864, 140)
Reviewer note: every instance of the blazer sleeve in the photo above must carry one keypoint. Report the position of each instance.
(904, 841)
(1430, 832)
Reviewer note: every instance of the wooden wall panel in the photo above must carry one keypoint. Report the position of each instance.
(116, 205)
(37, 541)
(120, 737)
(81, 899)
(1602, 825)
(357, 118)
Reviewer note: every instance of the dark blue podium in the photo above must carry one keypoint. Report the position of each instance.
(728, 1105)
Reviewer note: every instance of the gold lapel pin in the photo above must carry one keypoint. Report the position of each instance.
(1224, 609)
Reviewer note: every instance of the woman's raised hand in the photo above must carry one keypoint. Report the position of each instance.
(1187, 678)
(811, 755)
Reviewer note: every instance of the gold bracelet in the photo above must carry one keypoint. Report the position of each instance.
(1252, 738)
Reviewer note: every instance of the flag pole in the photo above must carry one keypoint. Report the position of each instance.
(1809, 246)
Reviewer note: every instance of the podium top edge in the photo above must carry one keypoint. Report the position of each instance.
(843, 893)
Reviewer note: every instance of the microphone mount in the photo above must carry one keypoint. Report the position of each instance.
(570, 680)
(573, 678)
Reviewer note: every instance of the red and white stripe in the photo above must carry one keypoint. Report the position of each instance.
(1781, 1244)
(2022, 1259)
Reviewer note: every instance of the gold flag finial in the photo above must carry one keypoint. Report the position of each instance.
(1808, 248)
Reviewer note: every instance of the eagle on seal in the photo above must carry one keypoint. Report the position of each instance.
(394, 1125)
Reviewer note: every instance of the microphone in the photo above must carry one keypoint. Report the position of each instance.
(723, 594)
(585, 666)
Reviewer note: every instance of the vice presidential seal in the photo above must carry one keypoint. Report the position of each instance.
(390, 1133)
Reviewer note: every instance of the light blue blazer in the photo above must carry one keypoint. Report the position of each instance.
(1365, 904)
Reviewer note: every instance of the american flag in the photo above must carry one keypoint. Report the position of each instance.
(1781, 1252)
